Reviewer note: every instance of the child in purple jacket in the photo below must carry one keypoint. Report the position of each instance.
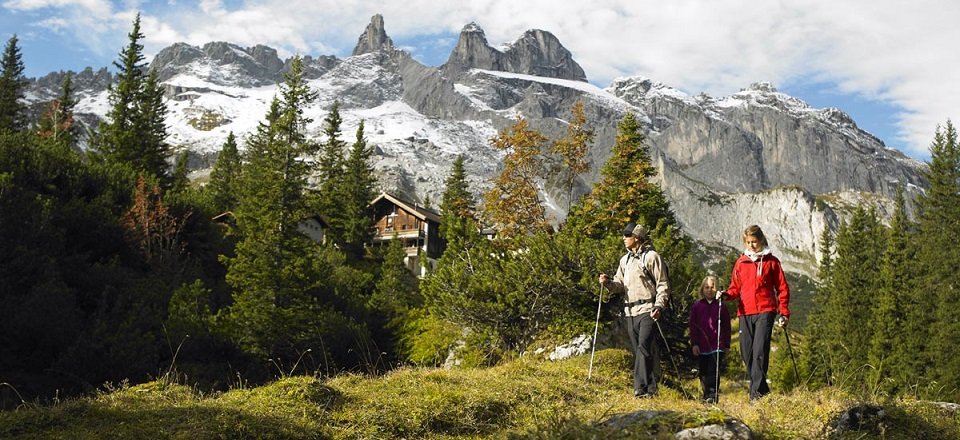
(707, 317)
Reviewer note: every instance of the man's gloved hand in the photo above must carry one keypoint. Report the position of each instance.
(720, 294)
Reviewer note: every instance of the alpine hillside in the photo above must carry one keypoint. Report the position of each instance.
(757, 156)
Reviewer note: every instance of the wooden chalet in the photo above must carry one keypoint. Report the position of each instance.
(417, 227)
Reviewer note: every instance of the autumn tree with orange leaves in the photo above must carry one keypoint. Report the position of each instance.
(513, 205)
(572, 150)
(150, 226)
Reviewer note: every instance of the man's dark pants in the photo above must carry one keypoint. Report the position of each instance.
(645, 353)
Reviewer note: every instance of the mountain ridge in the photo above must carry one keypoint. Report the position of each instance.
(756, 156)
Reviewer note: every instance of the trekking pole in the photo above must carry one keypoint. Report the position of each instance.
(719, 326)
(790, 350)
(670, 355)
(596, 327)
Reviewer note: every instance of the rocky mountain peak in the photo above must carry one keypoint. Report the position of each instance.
(374, 38)
(762, 86)
(540, 53)
(255, 66)
(536, 52)
(472, 52)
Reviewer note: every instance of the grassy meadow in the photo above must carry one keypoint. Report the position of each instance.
(522, 399)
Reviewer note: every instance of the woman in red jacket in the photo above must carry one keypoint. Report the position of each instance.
(758, 282)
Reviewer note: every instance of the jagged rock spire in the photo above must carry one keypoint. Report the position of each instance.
(374, 38)
(537, 52)
(473, 51)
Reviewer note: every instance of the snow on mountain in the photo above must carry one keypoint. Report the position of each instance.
(756, 156)
(581, 86)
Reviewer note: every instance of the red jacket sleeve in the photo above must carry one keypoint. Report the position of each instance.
(733, 292)
(783, 292)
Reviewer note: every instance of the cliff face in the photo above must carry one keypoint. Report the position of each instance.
(757, 156)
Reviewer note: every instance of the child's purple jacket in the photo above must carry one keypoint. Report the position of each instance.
(703, 326)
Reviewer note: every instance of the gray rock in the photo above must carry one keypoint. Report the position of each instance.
(374, 38)
(731, 430)
(623, 421)
(950, 407)
(536, 52)
(862, 418)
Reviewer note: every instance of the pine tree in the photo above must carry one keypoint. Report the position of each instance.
(826, 254)
(57, 123)
(573, 150)
(513, 205)
(12, 86)
(330, 172)
(180, 181)
(223, 177)
(116, 138)
(359, 189)
(396, 289)
(278, 274)
(890, 346)
(135, 132)
(457, 208)
(150, 126)
(938, 289)
(847, 308)
(625, 191)
(814, 358)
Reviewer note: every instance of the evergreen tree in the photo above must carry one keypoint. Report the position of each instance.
(625, 191)
(224, 176)
(179, 178)
(330, 172)
(135, 132)
(891, 345)
(826, 254)
(513, 205)
(359, 189)
(938, 289)
(457, 208)
(281, 305)
(116, 137)
(396, 289)
(57, 124)
(846, 309)
(573, 150)
(151, 129)
(814, 359)
(12, 86)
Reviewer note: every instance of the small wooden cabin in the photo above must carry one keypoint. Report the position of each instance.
(416, 226)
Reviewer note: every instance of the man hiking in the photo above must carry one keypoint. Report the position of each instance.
(642, 277)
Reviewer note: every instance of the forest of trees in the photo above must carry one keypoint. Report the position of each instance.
(113, 268)
(883, 318)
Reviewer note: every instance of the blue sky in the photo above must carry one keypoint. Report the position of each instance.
(889, 64)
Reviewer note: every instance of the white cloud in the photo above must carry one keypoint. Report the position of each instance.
(93, 6)
(883, 50)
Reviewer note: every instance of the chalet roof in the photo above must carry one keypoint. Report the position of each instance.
(228, 216)
(418, 211)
